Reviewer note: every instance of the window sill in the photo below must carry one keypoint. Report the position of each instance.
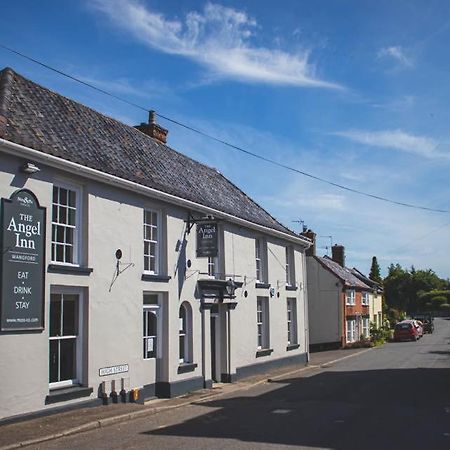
(264, 352)
(262, 285)
(156, 278)
(186, 367)
(291, 288)
(292, 347)
(65, 394)
(71, 270)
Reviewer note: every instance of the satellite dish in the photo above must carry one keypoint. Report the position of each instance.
(118, 253)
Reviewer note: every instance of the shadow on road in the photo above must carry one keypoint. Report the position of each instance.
(380, 409)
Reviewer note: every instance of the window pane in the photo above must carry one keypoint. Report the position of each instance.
(67, 359)
(62, 214)
(59, 233)
(72, 199)
(54, 361)
(69, 254)
(150, 299)
(182, 347)
(70, 318)
(55, 315)
(63, 196)
(71, 218)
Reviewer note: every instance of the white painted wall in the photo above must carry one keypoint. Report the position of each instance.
(324, 300)
(112, 219)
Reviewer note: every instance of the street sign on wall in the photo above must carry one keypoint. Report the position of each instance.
(22, 238)
(207, 239)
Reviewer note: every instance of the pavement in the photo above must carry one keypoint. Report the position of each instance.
(21, 433)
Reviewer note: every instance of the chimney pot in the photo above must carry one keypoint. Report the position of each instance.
(311, 251)
(152, 129)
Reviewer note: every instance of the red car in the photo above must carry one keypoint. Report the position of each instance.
(408, 330)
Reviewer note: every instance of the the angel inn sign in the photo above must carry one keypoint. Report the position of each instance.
(22, 264)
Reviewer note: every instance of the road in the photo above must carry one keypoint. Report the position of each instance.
(393, 397)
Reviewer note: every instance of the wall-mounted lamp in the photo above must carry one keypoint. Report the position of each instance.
(230, 287)
(29, 168)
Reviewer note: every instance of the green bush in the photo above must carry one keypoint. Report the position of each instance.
(445, 307)
(380, 335)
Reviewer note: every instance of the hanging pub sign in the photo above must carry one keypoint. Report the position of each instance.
(207, 239)
(22, 238)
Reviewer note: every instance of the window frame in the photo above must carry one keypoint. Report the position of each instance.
(350, 332)
(365, 298)
(262, 323)
(290, 266)
(157, 242)
(185, 332)
(260, 260)
(365, 327)
(78, 337)
(77, 239)
(350, 297)
(292, 332)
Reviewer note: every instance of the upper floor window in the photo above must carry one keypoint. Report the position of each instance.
(350, 297)
(212, 266)
(260, 260)
(290, 268)
(65, 225)
(151, 241)
(365, 298)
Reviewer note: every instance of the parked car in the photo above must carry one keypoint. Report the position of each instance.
(407, 330)
(427, 321)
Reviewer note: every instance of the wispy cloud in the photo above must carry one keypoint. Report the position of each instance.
(219, 39)
(398, 140)
(396, 53)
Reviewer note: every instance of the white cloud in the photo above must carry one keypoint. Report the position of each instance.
(398, 140)
(219, 38)
(396, 53)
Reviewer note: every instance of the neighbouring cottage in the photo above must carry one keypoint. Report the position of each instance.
(128, 269)
(375, 298)
(338, 301)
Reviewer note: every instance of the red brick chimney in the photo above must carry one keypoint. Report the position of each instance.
(338, 254)
(152, 129)
(311, 251)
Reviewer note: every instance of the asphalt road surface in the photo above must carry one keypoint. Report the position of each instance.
(393, 397)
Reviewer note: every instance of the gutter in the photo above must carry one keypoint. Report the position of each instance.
(97, 175)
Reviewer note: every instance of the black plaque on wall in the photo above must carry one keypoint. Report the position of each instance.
(207, 239)
(22, 238)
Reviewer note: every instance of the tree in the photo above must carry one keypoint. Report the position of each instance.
(375, 271)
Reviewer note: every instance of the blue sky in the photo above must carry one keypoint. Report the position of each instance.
(353, 91)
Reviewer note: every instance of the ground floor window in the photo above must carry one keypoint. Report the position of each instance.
(365, 327)
(351, 330)
(185, 333)
(150, 325)
(291, 321)
(262, 322)
(65, 339)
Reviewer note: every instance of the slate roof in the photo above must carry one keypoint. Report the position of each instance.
(343, 273)
(36, 117)
(373, 284)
